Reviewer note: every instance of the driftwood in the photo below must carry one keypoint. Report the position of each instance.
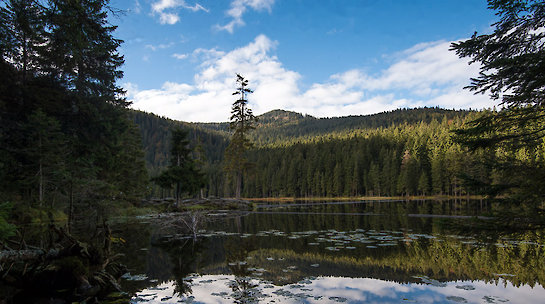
(10, 256)
(67, 264)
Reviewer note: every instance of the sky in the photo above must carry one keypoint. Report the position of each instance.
(316, 57)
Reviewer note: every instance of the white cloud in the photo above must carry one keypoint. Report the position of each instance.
(159, 47)
(168, 10)
(168, 18)
(354, 290)
(425, 75)
(180, 56)
(207, 56)
(239, 7)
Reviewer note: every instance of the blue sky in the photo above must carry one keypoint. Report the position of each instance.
(318, 57)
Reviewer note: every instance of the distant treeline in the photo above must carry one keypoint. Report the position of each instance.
(403, 152)
(404, 159)
(208, 144)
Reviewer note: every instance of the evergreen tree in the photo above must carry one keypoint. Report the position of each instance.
(437, 173)
(242, 121)
(23, 29)
(82, 50)
(512, 62)
(65, 135)
(45, 152)
(182, 173)
(423, 184)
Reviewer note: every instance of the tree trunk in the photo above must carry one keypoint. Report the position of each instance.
(71, 208)
(41, 174)
(177, 192)
(238, 185)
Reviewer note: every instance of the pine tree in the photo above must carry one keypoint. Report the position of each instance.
(182, 173)
(242, 121)
(45, 153)
(423, 183)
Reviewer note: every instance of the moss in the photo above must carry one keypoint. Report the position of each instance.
(125, 208)
(117, 298)
(24, 214)
(197, 207)
(7, 230)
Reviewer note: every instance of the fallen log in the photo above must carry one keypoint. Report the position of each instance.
(80, 270)
(27, 255)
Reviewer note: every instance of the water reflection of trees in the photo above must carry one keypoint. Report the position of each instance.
(445, 260)
(489, 255)
(484, 257)
(363, 215)
(237, 252)
(186, 256)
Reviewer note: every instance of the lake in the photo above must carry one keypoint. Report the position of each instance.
(334, 252)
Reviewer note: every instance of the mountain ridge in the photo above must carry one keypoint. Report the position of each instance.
(273, 127)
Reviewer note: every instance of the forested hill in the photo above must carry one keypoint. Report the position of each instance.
(286, 126)
(274, 127)
(279, 132)
(155, 131)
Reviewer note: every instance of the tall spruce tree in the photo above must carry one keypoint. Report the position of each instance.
(242, 121)
(23, 29)
(82, 51)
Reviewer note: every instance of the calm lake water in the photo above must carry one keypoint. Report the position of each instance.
(357, 252)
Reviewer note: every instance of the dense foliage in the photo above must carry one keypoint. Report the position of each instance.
(404, 152)
(406, 159)
(512, 69)
(209, 144)
(66, 137)
(183, 173)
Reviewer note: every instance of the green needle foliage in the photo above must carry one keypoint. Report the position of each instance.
(512, 62)
(183, 173)
(6, 229)
(66, 140)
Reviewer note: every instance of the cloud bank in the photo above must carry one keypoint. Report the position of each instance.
(427, 74)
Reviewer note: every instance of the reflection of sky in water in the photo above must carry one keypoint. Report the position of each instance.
(335, 248)
(215, 289)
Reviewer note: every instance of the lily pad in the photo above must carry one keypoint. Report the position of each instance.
(465, 287)
(457, 299)
(494, 299)
(338, 299)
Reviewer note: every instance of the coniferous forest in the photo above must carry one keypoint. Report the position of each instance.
(74, 155)
(399, 153)
(68, 137)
